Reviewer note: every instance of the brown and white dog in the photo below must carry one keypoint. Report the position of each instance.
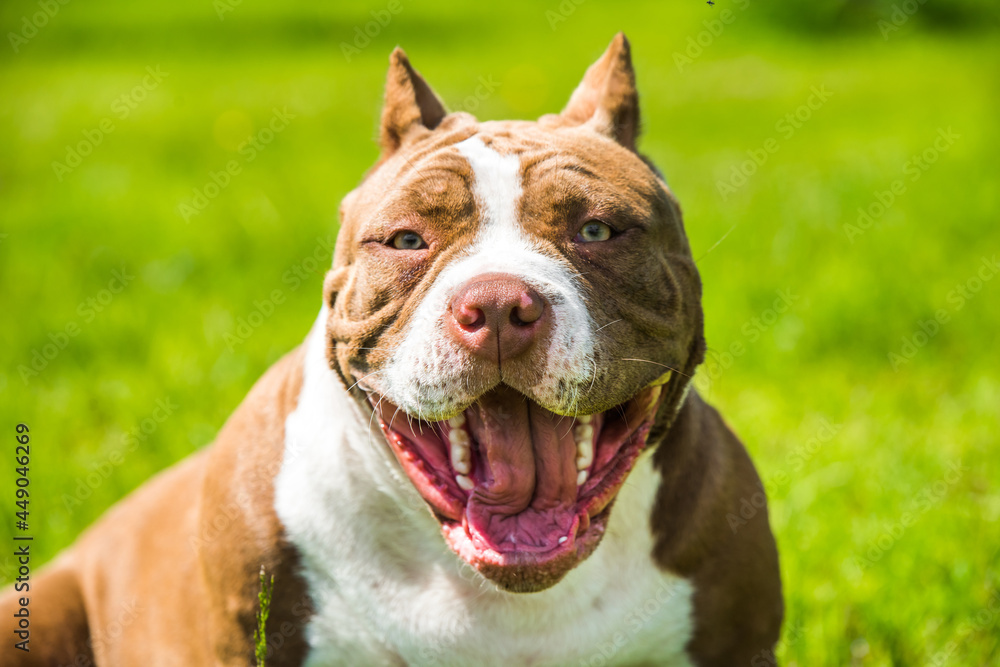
(484, 453)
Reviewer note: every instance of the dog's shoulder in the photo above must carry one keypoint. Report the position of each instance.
(710, 524)
(180, 556)
(239, 531)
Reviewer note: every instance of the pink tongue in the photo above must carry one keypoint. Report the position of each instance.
(525, 495)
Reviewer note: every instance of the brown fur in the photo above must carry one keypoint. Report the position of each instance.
(706, 472)
(169, 575)
(577, 166)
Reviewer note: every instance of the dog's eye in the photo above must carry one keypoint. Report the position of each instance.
(407, 240)
(594, 231)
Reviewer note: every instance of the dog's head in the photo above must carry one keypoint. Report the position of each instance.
(518, 304)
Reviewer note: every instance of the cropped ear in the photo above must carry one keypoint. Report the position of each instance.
(607, 99)
(410, 104)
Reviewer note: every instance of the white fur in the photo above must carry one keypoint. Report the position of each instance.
(386, 587)
(388, 591)
(425, 375)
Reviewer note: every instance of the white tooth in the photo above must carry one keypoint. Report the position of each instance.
(581, 478)
(464, 482)
(457, 421)
(461, 454)
(584, 436)
(563, 539)
(585, 419)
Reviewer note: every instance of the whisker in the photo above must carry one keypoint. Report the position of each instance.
(656, 363)
(715, 245)
(363, 377)
(594, 378)
(624, 418)
(610, 323)
(370, 444)
(560, 421)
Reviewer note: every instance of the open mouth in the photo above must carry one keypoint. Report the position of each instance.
(522, 493)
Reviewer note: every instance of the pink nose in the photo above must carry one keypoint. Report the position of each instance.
(497, 317)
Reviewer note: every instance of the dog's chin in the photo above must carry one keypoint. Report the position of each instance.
(522, 494)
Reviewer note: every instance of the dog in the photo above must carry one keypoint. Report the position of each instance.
(487, 450)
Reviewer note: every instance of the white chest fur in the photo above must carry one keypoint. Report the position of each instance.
(388, 591)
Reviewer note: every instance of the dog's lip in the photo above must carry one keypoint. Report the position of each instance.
(585, 539)
(430, 470)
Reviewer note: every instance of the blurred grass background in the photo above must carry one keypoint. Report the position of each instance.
(883, 475)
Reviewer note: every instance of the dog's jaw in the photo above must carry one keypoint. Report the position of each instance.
(385, 585)
(522, 494)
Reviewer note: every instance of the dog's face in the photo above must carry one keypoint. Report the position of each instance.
(518, 304)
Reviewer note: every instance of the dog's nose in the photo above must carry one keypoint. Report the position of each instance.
(497, 316)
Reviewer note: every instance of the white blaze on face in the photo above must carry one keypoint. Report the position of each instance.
(424, 376)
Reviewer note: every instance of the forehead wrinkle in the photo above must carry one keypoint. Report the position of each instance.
(552, 161)
(426, 166)
(593, 166)
(567, 180)
(439, 181)
(430, 159)
(430, 190)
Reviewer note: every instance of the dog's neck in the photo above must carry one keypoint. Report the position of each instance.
(373, 554)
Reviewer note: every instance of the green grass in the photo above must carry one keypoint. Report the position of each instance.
(850, 445)
(263, 612)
